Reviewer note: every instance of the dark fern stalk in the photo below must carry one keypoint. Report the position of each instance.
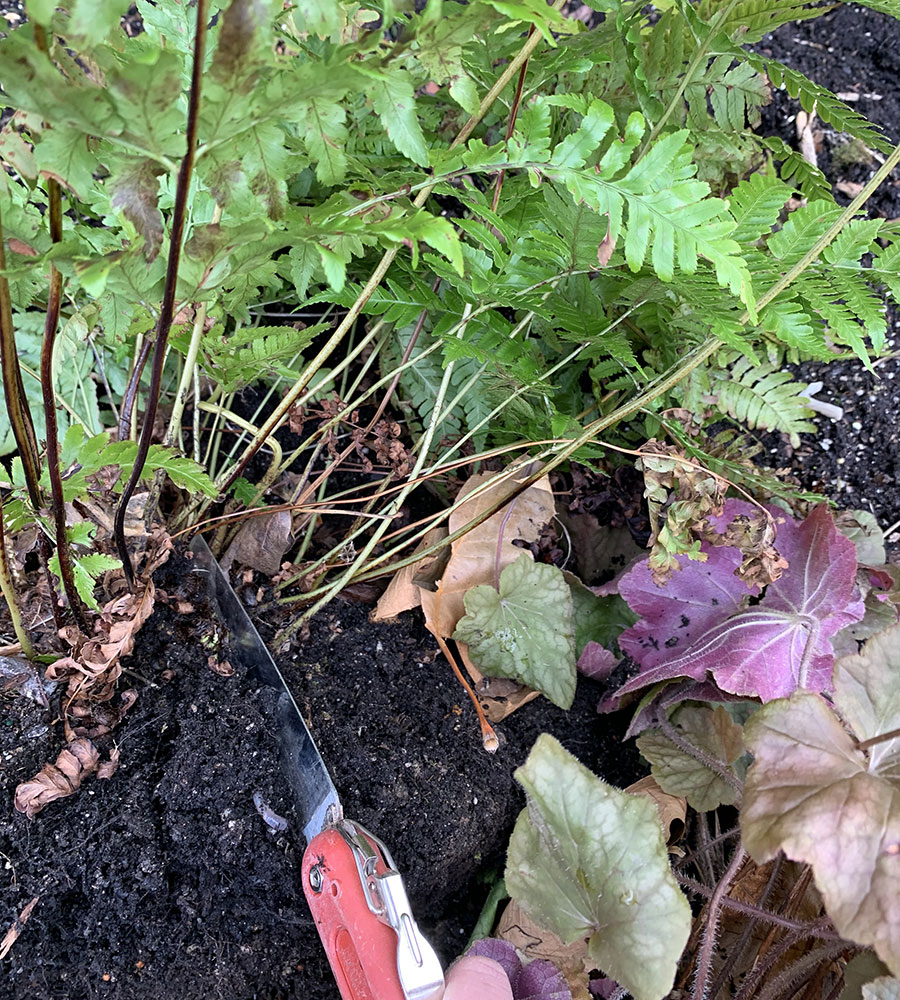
(166, 313)
(131, 390)
(51, 325)
(14, 391)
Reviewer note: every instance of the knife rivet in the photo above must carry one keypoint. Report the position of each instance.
(315, 878)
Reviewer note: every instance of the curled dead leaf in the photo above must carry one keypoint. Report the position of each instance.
(109, 767)
(261, 543)
(57, 781)
(672, 809)
(404, 592)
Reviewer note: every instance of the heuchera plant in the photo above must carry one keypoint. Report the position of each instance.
(705, 622)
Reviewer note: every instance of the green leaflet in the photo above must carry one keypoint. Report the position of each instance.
(524, 631)
(588, 861)
(86, 570)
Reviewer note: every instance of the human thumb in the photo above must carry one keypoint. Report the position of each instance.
(477, 978)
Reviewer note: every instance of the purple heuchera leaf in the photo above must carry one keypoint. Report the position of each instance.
(596, 661)
(700, 623)
(539, 980)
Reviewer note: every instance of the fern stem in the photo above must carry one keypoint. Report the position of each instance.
(700, 56)
(167, 311)
(380, 271)
(190, 362)
(14, 391)
(393, 508)
(7, 587)
(51, 325)
(511, 126)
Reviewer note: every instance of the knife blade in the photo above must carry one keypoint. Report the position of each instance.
(355, 893)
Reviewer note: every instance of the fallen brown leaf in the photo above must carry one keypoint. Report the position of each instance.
(93, 665)
(12, 935)
(672, 809)
(534, 942)
(261, 543)
(109, 767)
(482, 553)
(404, 592)
(57, 781)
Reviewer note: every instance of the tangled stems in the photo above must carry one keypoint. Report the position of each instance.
(167, 311)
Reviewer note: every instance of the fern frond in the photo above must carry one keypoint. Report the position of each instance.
(808, 179)
(756, 204)
(764, 397)
(256, 352)
(829, 108)
(750, 20)
(788, 321)
(802, 229)
(891, 7)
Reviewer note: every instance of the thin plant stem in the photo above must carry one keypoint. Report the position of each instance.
(51, 326)
(511, 126)
(711, 929)
(184, 390)
(380, 270)
(129, 397)
(14, 391)
(700, 56)
(787, 981)
(167, 311)
(735, 953)
(893, 734)
(7, 587)
(707, 760)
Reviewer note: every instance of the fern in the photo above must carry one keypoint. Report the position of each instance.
(86, 569)
(764, 397)
(755, 204)
(829, 108)
(256, 353)
(751, 20)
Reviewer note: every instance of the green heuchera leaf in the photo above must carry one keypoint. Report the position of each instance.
(813, 794)
(678, 773)
(589, 861)
(525, 631)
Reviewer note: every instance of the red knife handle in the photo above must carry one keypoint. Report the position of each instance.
(361, 949)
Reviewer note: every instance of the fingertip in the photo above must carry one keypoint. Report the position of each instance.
(477, 978)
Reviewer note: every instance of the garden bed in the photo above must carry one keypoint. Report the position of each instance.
(164, 881)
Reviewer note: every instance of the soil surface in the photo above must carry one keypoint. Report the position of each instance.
(855, 461)
(165, 882)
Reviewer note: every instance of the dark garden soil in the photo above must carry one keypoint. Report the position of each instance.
(164, 882)
(855, 461)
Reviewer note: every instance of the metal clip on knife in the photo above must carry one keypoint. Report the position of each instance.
(356, 895)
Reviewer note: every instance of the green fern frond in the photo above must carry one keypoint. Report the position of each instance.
(829, 108)
(751, 20)
(789, 322)
(764, 397)
(756, 204)
(258, 352)
(806, 177)
(891, 7)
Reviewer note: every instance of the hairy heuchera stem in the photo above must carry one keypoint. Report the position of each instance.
(167, 311)
(51, 325)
